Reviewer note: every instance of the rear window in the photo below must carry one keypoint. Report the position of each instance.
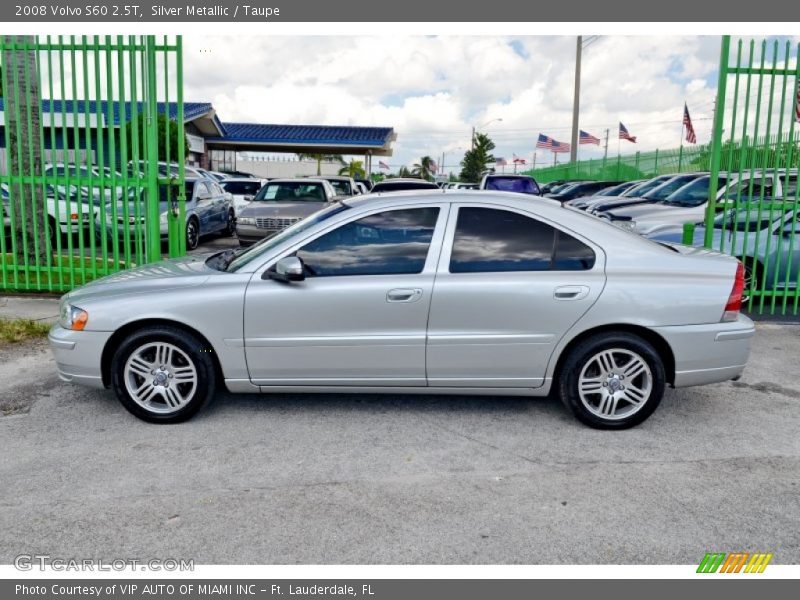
(242, 188)
(522, 185)
(292, 191)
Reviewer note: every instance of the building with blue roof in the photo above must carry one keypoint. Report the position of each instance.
(211, 141)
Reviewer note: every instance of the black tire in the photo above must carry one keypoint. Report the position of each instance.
(53, 233)
(192, 234)
(752, 273)
(193, 349)
(230, 225)
(624, 347)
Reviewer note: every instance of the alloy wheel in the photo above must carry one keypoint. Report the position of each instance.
(615, 384)
(160, 377)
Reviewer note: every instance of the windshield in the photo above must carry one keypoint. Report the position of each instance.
(642, 189)
(615, 190)
(341, 186)
(267, 244)
(665, 189)
(744, 220)
(242, 188)
(292, 191)
(521, 185)
(692, 194)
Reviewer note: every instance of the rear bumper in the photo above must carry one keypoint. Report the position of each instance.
(78, 355)
(709, 353)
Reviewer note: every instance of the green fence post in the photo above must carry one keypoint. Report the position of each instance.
(688, 234)
(151, 95)
(716, 138)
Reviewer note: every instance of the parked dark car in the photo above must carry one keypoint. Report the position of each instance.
(577, 190)
(551, 186)
(400, 184)
(522, 184)
(655, 194)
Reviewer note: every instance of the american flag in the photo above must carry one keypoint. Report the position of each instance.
(588, 138)
(545, 141)
(691, 137)
(561, 147)
(518, 160)
(383, 165)
(500, 161)
(624, 135)
(797, 104)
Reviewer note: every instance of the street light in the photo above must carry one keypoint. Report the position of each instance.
(472, 142)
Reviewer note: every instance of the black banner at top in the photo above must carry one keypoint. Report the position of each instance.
(586, 11)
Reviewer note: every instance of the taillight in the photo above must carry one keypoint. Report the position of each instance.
(734, 304)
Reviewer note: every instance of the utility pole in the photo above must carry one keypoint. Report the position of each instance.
(605, 152)
(472, 139)
(573, 153)
(534, 160)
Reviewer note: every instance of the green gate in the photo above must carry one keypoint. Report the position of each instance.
(91, 163)
(755, 149)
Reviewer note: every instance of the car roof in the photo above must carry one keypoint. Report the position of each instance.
(297, 180)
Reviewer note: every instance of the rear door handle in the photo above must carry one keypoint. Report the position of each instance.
(571, 292)
(404, 295)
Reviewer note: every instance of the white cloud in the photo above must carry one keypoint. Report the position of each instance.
(432, 90)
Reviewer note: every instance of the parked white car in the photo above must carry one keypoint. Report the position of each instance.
(242, 190)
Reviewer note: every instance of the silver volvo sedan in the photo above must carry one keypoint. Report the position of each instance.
(488, 293)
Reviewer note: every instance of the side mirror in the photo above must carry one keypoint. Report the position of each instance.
(288, 269)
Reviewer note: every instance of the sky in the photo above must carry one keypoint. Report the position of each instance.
(434, 89)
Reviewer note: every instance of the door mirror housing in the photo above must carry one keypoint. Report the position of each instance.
(288, 269)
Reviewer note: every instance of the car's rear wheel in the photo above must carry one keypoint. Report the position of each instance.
(192, 234)
(612, 380)
(230, 225)
(163, 374)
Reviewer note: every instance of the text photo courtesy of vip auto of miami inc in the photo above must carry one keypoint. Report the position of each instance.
(480, 302)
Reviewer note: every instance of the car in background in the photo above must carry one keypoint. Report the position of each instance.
(522, 184)
(416, 293)
(654, 195)
(281, 203)
(619, 189)
(767, 242)
(242, 190)
(578, 190)
(343, 185)
(588, 203)
(463, 185)
(551, 186)
(367, 183)
(208, 210)
(689, 203)
(401, 184)
(362, 189)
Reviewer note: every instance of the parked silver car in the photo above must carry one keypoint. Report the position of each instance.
(416, 292)
(280, 203)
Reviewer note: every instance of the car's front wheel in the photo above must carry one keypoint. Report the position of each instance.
(163, 374)
(192, 234)
(230, 225)
(612, 380)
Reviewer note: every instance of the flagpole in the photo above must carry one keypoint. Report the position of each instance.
(683, 130)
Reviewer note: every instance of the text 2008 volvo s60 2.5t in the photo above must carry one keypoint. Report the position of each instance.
(417, 292)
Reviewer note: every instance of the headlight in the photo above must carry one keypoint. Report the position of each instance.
(72, 317)
(246, 221)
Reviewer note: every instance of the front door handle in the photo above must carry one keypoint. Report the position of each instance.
(571, 292)
(404, 295)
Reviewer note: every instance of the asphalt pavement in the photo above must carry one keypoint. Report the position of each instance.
(402, 479)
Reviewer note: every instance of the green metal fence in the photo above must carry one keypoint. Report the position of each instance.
(87, 176)
(754, 139)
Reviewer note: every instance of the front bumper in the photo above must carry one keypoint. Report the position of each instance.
(250, 234)
(78, 355)
(709, 353)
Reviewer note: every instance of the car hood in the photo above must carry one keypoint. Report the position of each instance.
(155, 277)
(283, 210)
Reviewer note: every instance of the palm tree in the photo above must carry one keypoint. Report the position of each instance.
(354, 169)
(424, 168)
(403, 172)
(320, 157)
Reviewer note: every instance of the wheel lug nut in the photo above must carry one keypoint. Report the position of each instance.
(170, 375)
(605, 384)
